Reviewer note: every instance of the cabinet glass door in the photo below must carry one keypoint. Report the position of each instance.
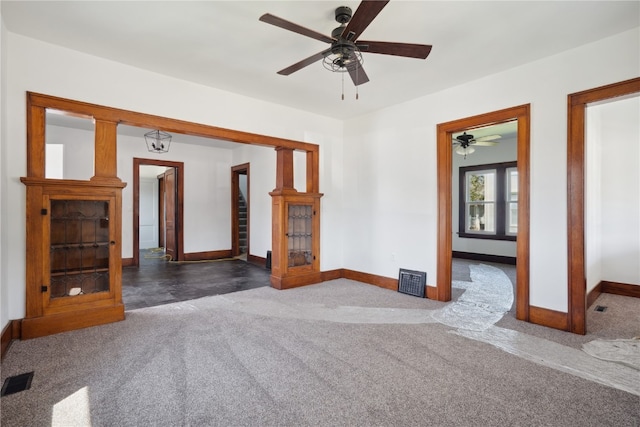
(299, 233)
(79, 247)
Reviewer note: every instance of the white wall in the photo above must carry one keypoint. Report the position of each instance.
(593, 198)
(74, 75)
(243, 186)
(149, 206)
(391, 172)
(505, 151)
(78, 152)
(207, 192)
(612, 214)
(4, 219)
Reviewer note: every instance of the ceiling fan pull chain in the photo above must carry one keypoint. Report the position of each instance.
(342, 74)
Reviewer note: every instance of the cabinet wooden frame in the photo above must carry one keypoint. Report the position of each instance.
(44, 315)
(284, 276)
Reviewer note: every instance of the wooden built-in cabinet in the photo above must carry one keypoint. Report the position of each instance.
(296, 232)
(74, 259)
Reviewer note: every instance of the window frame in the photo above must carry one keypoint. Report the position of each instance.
(509, 200)
(501, 201)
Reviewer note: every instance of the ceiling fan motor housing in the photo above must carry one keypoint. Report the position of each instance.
(465, 139)
(337, 32)
(343, 14)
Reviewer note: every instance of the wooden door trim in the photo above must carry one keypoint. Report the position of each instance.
(445, 132)
(161, 219)
(577, 103)
(236, 171)
(179, 167)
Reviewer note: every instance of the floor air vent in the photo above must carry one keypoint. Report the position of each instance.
(412, 282)
(601, 308)
(17, 383)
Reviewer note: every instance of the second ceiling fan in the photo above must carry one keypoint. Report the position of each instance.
(463, 143)
(344, 54)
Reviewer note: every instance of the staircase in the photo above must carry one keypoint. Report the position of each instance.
(242, 222)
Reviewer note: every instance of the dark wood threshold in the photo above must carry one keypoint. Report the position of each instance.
(11, 331)
(484, 257)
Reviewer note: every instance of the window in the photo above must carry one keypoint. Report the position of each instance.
(489, 201)
(512, 201)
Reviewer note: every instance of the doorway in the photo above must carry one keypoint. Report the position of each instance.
(240, 209)
(169, 212)
(170, 208)
(445, 133)
(577, 285)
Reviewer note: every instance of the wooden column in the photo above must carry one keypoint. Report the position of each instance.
(313, 167)
(35, 140)
(106, 162)
(284, 169)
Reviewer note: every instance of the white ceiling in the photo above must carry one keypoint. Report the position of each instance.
(222, 44)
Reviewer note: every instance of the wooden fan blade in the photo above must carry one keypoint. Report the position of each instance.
(358, 75)
(482, 143)
(409, 50)
(283, 23)
(366, 12)
(308, 61)
(489, 137)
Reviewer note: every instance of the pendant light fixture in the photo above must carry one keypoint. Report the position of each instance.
(157, 141)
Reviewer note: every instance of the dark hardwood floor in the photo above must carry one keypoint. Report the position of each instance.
(157, 281)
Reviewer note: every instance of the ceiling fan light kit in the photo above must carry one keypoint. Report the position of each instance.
(465, 150)
(345, 53)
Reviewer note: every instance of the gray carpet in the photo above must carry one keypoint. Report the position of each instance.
(307, 356)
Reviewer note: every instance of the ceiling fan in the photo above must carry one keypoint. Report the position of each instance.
(463, 144)
(344, 54)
